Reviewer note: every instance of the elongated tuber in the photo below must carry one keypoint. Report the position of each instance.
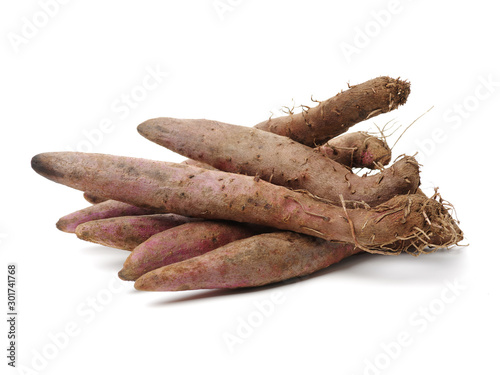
(277, 159)
(181, 243)
(315, 126)
(404, 223)
(128, 232)
(255, 261)
(103, 210)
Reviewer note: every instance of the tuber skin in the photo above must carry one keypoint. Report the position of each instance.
(336, 115)
(353, 150)
(127, 232)
(404, 223)
(94, 199)
(277, 159)
(357, 150)
(181, 243)
(103, 210)
(255, 261)
(198, 164)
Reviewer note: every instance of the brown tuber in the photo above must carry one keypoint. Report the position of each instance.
(336, 115)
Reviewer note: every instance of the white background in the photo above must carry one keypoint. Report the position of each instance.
(64, 70)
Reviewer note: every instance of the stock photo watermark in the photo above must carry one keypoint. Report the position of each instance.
(223, 7)
(33, 25)
(59, 340)
(364, 35)
(456, 115)
(12, 320)
(121, 107)
(247, 325)
(418, 323)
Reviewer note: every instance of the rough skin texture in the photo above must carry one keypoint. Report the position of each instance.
(255, 261)
(181, 243)
(282, 161)
(358, 150)
(400, 224)
(336, 115)
(127, 232)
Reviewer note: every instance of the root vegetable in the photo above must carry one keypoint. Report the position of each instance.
(127, 232)
(404, 223)
(334, 116)
(255, 261)
(103, 210)
(181, 243)
(358, 150)
(94, 199)
(277, 159)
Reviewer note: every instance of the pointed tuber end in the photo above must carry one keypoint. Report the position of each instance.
(124, 274)
(84, 231)
(152, 282)
(64, 226)
(158, 129)
(146, 129)
(92, 198)
(142, 284)
(43, 165)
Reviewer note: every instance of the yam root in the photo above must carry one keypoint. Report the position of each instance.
(94, 199)
(336, 115)
(127, 232)
(103, 210)
(181, 243)
(357, 150)
(409, 223)
(255, 261)
(279, 160)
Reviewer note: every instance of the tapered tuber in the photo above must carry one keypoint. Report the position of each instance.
(181, 243)
(279, 160)
(404, 223)
(255, 261)
(127, 232)
(103, 210)
(334, 116)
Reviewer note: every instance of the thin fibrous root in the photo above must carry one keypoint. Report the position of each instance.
(326, 218)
